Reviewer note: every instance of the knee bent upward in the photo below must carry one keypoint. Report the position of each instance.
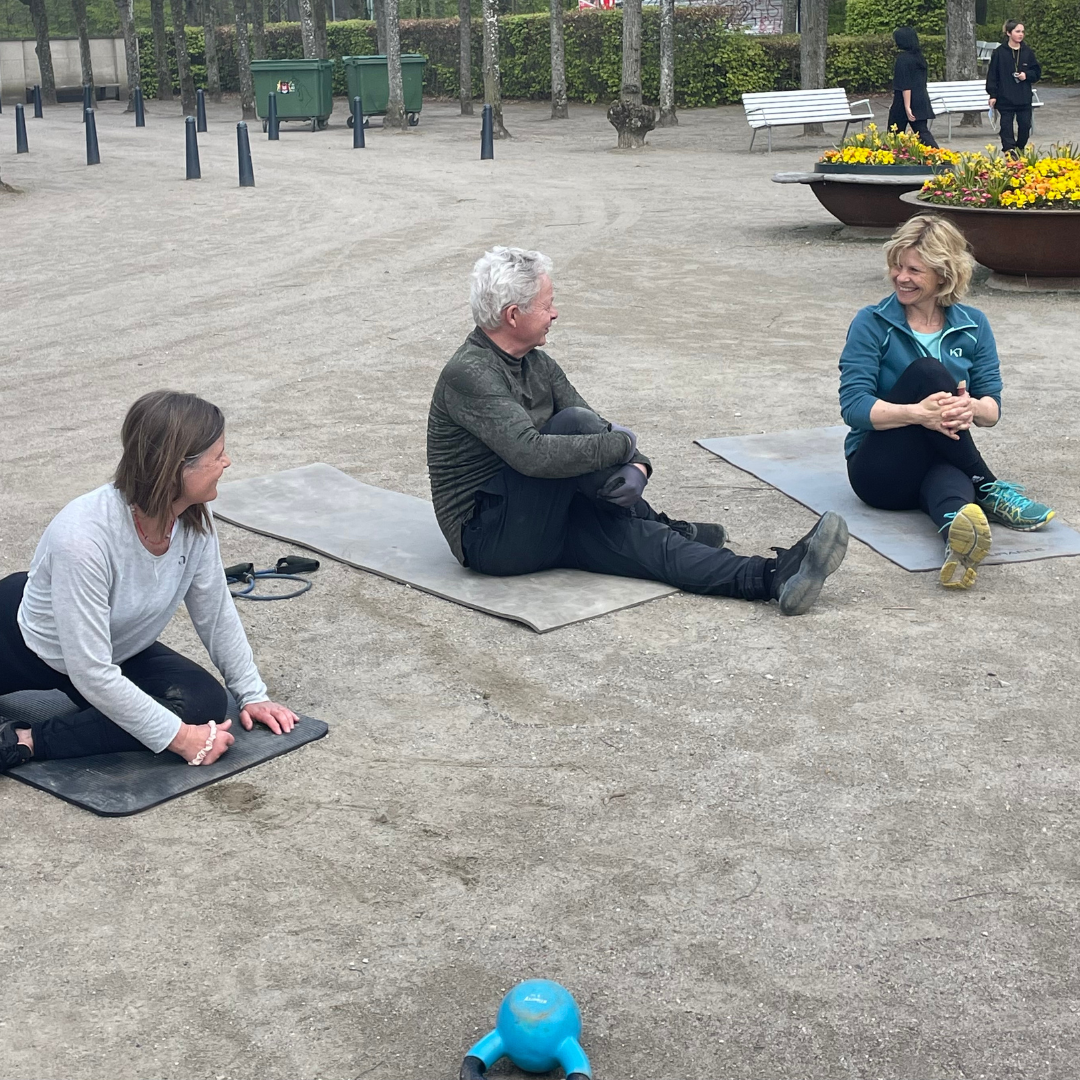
(574, 421)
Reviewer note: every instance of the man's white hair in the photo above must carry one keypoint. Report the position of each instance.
(505, 276)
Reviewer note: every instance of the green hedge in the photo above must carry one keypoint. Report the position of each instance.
(884, 16)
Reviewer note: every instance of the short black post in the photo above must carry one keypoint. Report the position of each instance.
(271, 117)
(92, 155)
(37, 102)
(243, 152)
(487, 135)
(358, 123)
(192, 148)
(200, 110)
(87, 99)
(140, 112)
(20, 130)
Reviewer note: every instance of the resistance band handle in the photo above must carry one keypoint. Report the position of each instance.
(472, 1068)
(296, 564)
(243, 571)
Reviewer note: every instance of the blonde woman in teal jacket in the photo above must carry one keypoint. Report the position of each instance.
(917, 372)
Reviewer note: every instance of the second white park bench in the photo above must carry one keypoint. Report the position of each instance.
(968, 95)
(791, 108)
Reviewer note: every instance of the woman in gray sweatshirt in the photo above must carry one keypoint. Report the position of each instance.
(108, 574)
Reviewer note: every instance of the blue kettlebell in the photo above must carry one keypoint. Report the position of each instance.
(537, 1028)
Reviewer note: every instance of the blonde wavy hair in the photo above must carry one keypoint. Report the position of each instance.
(941, 246)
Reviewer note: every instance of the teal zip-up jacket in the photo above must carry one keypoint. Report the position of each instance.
(880, 346)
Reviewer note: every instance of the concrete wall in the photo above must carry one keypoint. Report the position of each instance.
(19, 65)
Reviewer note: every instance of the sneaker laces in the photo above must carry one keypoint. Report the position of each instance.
(1006, 494)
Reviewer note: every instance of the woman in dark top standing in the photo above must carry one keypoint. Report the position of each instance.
(1013, 68)
(911, 102)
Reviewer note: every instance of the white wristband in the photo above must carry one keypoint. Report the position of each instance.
(198, 758)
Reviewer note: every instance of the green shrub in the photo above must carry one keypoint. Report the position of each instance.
(884, 16)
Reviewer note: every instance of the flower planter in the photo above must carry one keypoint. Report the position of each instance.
(864, 199)
(833, 167)
(1039, 243)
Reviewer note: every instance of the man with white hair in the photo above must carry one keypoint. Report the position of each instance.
(526, 476)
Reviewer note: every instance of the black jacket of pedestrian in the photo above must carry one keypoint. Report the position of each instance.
(1010, 92)
(909, 73)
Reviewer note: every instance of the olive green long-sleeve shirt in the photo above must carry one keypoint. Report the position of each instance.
(487, 411)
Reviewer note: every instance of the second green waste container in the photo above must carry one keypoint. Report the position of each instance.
(302, 89)
(367, 79)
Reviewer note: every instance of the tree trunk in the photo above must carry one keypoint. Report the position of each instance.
(307, 29)
(960, 57)
(318, 9)
(243, 58)
(630, 118)
(395, 105)
(161, 51)
(789, 24)
(492, 88)
(183, 61)
(40, 18)
(560, 110)
(813, 40)
(667, 64)
(78, 8)
(131, 49)
(379, 12)
(465, 56)
(213, 72)
(258, 28)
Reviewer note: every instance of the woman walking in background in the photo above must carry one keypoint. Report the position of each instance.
(1013, 68)
(911, 102)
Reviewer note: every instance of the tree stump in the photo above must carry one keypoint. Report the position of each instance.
(632, 122)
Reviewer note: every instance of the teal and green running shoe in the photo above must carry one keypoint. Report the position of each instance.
(1005, 503)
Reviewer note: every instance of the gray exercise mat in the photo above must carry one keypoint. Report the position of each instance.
(115, 785)
(394, 535)
(809, 466)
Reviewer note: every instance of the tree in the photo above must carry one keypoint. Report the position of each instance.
(813, 41)
(960, 55)
(213, 72)
(630, 118)
(667, 64)
(307, 29)
(560, 109)
(492, 87)
(395, 106)
(78, 9)
(789, 16)
(183, 61)
(243, 49)
(161, 51)
(465, 56)
(131, 49)
(318, 8)
(379, 12)
(258, 29)
(40, 18)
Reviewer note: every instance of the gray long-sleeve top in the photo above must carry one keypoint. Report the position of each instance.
(487, 411)
(95, 597)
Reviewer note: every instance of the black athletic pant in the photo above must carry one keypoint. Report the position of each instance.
(921, 127)
(522, 524)
(912, 467)
(177, 682)
(1022, 119)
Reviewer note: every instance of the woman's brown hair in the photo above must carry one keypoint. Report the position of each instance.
(163, 432)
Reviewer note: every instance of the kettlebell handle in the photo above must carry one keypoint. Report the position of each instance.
(472, 1068)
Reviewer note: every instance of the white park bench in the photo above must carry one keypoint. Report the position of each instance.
(984, 50)
(968, 95)
(791, 108)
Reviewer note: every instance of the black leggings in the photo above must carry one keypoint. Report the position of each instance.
(1022, 119)
(175, 681)
(920, 127)
(912, 467)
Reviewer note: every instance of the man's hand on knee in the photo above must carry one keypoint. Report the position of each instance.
(633, 439)
(624, 487)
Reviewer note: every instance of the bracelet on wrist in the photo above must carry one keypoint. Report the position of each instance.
(198, 758)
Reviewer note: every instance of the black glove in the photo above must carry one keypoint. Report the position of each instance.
(633, 439)
(624, 488)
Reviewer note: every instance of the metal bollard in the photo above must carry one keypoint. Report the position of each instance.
(20, 130)
(92, 155)
(192, 150)
(87, 99)
(487, 135)
(271, 117)
(358, 123)
(200, 110)
(37, 102)
(140, 112)
(243, 152)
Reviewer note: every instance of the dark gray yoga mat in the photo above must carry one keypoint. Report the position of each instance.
(809, 466)
(115, 785)
(394, 535)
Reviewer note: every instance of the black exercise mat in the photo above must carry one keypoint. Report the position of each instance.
(115, 785)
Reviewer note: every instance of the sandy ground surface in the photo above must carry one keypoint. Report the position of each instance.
(843, 845)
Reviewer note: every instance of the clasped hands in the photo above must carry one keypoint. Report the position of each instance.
(191, 738)
(625, 486)
(947, 413)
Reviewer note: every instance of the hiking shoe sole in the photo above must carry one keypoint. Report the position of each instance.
(825, 551)
(969, 543)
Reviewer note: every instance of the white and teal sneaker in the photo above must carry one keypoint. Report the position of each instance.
(1005, 503)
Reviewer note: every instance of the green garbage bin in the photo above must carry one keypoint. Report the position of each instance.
(302, 87)
(367, 79)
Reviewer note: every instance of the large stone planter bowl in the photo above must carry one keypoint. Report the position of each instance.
(866, 196)
(1038, 243)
